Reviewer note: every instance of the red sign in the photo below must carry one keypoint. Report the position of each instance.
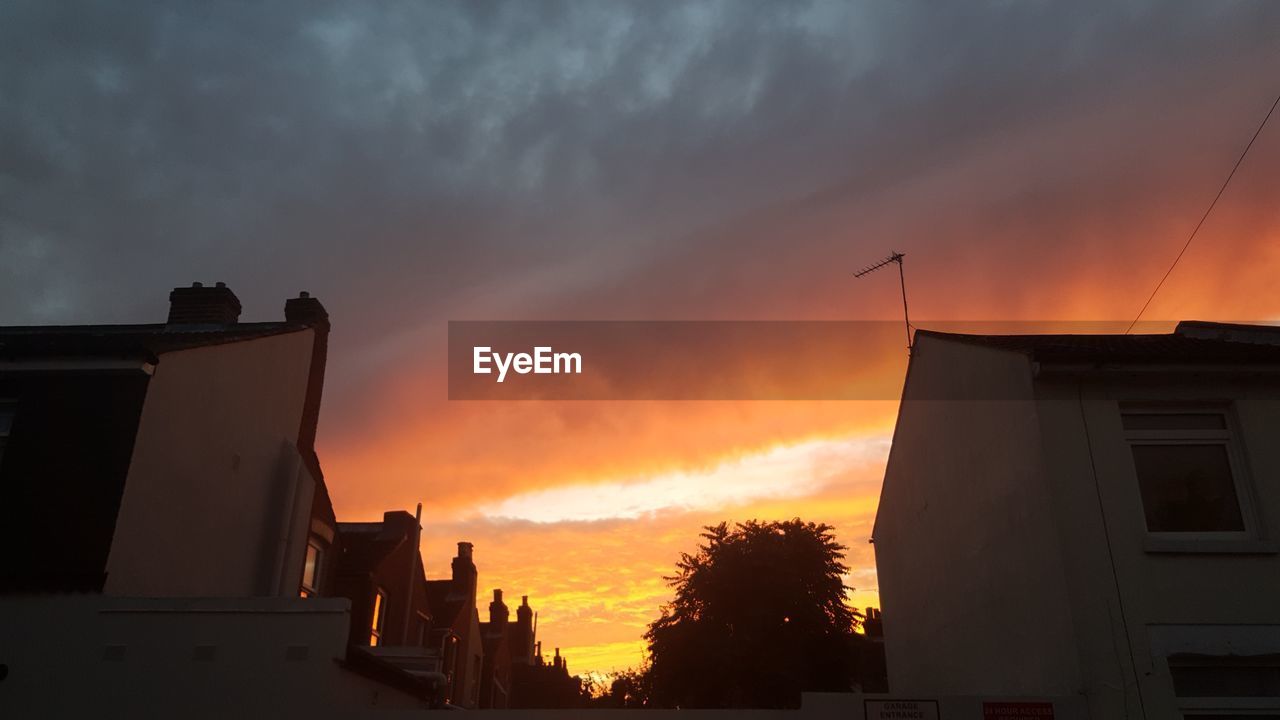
(1017, 710)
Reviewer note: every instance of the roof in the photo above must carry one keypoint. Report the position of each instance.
(365, 545)
(128, 341)
(447, 600)
(1192, 342)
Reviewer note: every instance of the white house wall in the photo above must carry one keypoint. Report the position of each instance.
(971, 582)
(207, 485)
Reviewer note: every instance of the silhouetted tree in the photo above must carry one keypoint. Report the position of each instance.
(629, 689)
(759, 615)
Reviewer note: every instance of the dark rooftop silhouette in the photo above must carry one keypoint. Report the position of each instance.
(1190, 342)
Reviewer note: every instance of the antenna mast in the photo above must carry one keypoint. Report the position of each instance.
(894, 257)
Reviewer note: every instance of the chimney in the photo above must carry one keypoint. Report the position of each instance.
(555, 661)
(464, 569)
(522, 637)
(306, 310)
(498, 614)
(200, 305)
(524, 613)
(872, 624)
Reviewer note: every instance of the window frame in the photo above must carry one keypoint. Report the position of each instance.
(1228, 436)
(378, 618)
(313, 589)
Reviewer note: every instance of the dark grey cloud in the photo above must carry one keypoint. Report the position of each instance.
(409, 162)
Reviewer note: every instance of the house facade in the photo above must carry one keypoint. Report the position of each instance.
(164, 520)
(179, 457)
(1087, 517)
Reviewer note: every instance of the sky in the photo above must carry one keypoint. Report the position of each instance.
(411, 163)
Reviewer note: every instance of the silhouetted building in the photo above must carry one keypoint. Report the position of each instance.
(169, 471)
(457, 628)
(524, 634)
(495, 672)
(870, 674)
(379, 568)
(1093, 516)
(545, 684)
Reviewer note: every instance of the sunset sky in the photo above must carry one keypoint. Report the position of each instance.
(413, 163)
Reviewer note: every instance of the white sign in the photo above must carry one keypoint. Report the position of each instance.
(901, 709)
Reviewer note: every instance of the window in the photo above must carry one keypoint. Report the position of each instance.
(311, 569)
(378, 620)
(1189, 471)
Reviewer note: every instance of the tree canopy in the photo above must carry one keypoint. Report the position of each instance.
(759, 615)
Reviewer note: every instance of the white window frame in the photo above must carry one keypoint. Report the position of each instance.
(1228, 437)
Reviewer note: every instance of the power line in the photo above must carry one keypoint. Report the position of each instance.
(1204, 217)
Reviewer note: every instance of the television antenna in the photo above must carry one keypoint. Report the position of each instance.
(894, 257)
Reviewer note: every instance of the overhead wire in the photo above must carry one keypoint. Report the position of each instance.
(1203, 218)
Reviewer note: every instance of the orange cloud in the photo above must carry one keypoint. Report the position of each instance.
(455, 456)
